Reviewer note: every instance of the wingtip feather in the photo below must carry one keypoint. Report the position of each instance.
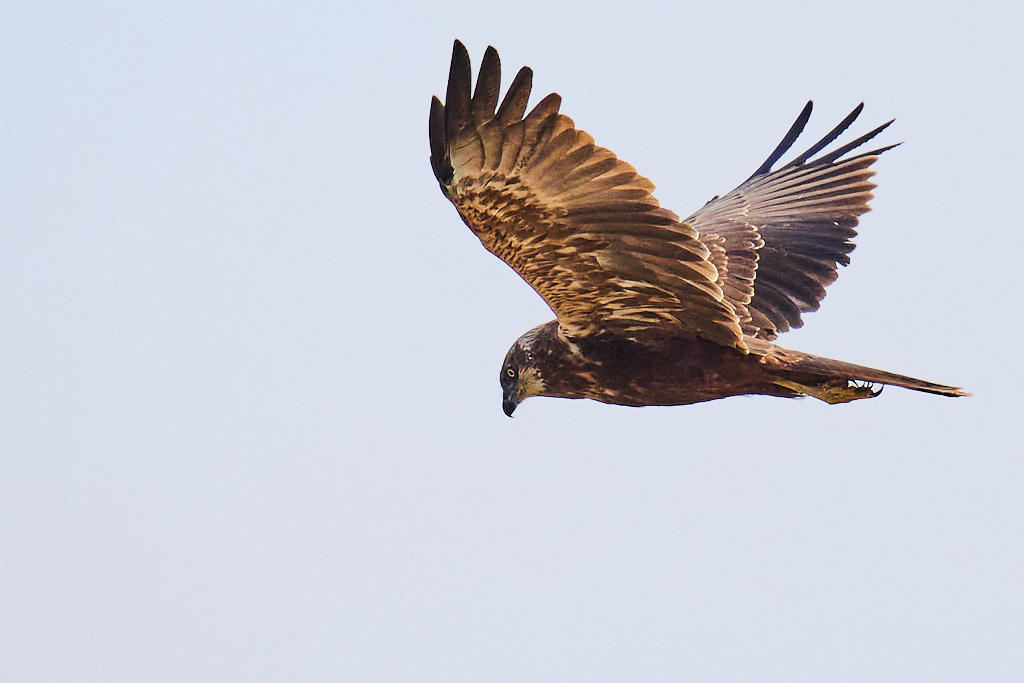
(439, 160)
(457, 98)
(488, 85)
(513, 106)
(787, 141)
(829, 137)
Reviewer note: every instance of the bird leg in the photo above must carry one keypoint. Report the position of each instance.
(834, 390)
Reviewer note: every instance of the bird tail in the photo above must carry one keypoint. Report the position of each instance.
(835, 381)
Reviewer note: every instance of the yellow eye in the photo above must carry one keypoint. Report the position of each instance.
(510, 372)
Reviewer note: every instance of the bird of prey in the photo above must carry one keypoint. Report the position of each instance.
(651, 309)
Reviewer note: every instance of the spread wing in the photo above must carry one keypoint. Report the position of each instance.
(779, 238)
(578, 224)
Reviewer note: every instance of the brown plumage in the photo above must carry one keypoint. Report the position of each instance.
(651, 309)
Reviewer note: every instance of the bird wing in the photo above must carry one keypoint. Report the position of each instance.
(578, 224)
(779, 238)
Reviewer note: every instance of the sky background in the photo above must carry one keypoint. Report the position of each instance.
(250, 422)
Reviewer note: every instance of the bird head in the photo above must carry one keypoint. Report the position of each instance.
(520, 374)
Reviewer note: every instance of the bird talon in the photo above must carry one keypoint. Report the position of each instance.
(836, 390)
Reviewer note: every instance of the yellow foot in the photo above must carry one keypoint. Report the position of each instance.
(834, 390)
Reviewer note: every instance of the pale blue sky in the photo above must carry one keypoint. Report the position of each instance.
(250, 422)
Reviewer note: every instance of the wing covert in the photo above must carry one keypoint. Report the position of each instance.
(577, 223)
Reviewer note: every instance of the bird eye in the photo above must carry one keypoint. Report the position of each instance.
(510, 372)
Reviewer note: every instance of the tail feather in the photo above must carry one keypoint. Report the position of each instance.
(814, 371)
(860, 373)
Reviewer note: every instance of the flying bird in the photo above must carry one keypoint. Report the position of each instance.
(651, 309)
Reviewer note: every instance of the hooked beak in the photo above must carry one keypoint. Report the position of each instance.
(508, 403)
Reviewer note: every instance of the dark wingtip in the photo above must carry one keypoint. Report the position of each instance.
(787, 141)
(829, 137)
(547, 106)
(879, 151)
(513, 106)
(488, 85)
(850, 146)
(457, 99)
(439, 160)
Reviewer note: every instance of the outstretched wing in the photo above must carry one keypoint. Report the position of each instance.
(578, 224)
(781, 235)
